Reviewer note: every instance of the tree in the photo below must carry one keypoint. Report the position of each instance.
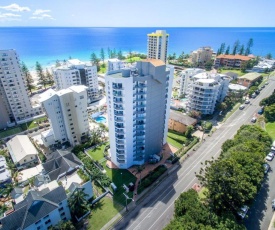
(114, 55)
(119, 55)
(252, 90)
(78, 203)
(243, 67)
(241, 51)
(208, 65)
(236, 47)
(95, 61)
(195, 114)
(269, 113)
(268, 56)
(221, 49)
(139, 169)
(227, 50)
(248, 47)
(268, 100)
(109, 52)
(49, 77)
(222, 106)
(28, 77)
(188, 132)
(174, 56)
(102, 55)
(57, 63)
(64, 225)
(40, 74)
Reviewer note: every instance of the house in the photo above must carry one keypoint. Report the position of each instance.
(5, 174)
(86, 187)
(231, 60)
(249, 79)
(40, 180)
(39, 210)
(232, 75)
(22, 151)
(17, 194)
(179, 122)
(60, 163)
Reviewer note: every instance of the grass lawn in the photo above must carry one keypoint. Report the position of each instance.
(97, 153)
(176, 139)
(32, 124)
(270, 128)
(239, 72)
(133, 59)
(103, 69)
(103, 211)
(201, 193)
(10, 131)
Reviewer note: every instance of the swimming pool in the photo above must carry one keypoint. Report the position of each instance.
(100, 119)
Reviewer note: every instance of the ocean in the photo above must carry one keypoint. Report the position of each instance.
(47, 44)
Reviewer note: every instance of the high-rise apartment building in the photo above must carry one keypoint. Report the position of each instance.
(15, 105)
(201, 56)
(157, 44)
(115, 64)
(67, 112)
(205, 91)
(138, 102)
(75, 72)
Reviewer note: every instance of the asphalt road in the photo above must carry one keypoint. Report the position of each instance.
(156, 210)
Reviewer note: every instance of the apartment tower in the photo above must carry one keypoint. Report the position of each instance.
(15, 105)
(157, 44)
(138, 102)
(67, 112)
(75, 72)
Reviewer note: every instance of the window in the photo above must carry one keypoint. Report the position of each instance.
(81, 97)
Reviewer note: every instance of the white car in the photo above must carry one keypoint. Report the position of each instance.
(247, 102)
(254, 119)
(242, 213)
(241, 107)
(269, 157)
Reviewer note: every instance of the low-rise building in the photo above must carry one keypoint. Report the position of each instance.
(229, 60)
(22, 151)
(201, 56)
(5, 174)
(264, 65)
(249, 79)
(17, 194)
(39, 210)
(179, 122)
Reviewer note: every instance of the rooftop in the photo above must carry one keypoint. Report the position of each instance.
(251, 76)
(75, 62)
(46, 95)
(236, 87)
(180, 117)
(154, 62)
(239, 57)
(19, 147)
(4, 172)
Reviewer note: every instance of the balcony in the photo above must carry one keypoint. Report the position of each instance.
(118, 101)
(118, 114)
(120, 142)
(140, 86)
(120, 137)
(140, 99)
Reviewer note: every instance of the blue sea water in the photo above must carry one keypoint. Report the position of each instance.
(47, 44)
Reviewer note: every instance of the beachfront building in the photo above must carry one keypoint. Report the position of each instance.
(22, 151)
(205, 91)
(185, 78)
(67, 112)
(39, 210)
(75, 72)
(264, 65)
(201, 56)
(138, 111)
(15, 105)
(229, 60)
(157, 43)
(115, 64)
(249, 79)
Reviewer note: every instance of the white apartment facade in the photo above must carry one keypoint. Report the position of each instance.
(205, 91)
(157, 43)
(15, 105)
(138, 111)
(75, 72)
(67, 112)
(201, 56)
(115, 64)
(185, 79)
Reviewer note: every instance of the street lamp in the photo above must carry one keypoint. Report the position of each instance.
(127, 198)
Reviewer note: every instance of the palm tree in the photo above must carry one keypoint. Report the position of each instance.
(138, 170)
(63, 225)
(78, 203)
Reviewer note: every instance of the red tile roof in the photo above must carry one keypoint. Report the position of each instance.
(240, 57)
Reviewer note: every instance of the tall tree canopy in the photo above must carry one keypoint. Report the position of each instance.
(27, 76)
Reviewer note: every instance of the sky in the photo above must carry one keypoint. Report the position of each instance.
(140, 13)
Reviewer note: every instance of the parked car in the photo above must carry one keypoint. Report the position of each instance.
(241, 107)
(242, 213)
(247, 102)
(261, 111)
(272, 149)
(262, 86)
(253, 95)
(267, 83)
(254, 119)
(273, 204)
(266, 168)
(270, 157)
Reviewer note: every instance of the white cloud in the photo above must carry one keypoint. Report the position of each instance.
(15, 8)
(39, 11)
(10, 17)
(42, 17)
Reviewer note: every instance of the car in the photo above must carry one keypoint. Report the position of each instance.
(266, 168)
(242, 213)
(241, 107)
(261, 111)
(253, 95)
(254, 119)
(267, 83)
(269, 157)
(272, 149)
(247, 102)
(273, 204)
(262, 86)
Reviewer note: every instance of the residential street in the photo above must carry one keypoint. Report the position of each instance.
(156, 209)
